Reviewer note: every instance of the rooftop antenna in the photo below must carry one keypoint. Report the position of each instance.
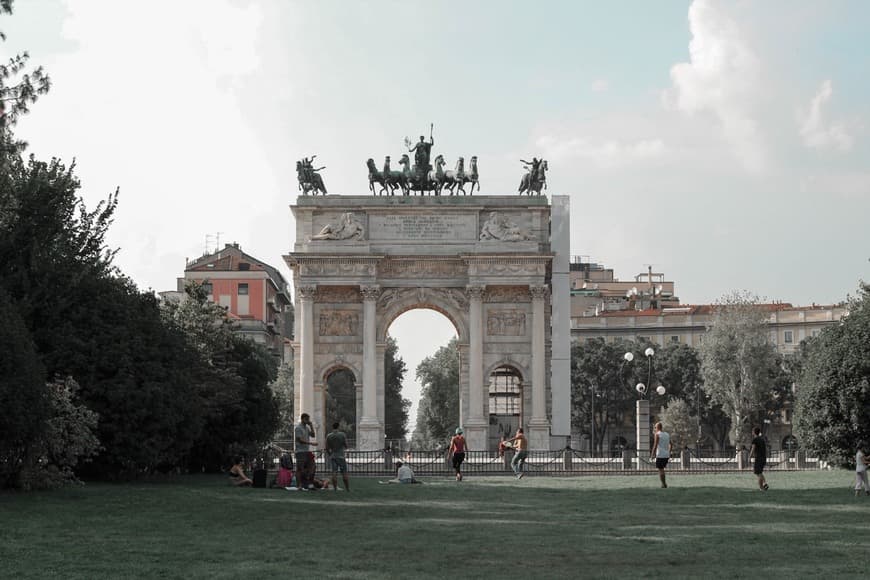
(208, 238)
(218, 243)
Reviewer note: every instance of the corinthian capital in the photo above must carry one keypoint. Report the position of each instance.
(370, 292)
(539, 292)
(307, 292)
(475, 292)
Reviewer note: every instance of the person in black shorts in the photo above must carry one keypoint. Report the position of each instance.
(759, 451)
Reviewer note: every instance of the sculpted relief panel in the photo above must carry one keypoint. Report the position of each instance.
(339, 294)
(421, 269)
(337, 267)
(506, 323)
(339, 323)
(451, 296)
(507, 294)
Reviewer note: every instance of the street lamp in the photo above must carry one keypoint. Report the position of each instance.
(642, 409)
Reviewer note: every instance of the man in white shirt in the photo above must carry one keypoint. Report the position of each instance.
(661, 450)
(861, 471)
(404, 474)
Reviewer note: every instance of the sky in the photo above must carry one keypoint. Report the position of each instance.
(725, 143)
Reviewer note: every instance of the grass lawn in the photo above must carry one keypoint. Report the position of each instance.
(808, 524)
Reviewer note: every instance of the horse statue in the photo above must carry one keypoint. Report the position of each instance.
(535, 179)
(442, 178)
(375, 176)
(462, 177)
(309, 180)
(414, 183)
(394, 179)
(458, 176)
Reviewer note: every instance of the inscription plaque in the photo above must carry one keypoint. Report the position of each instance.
(423, 227)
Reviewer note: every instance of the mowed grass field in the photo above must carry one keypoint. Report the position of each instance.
(808, 525)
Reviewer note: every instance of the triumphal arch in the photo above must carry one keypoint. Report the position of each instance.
(484, 262)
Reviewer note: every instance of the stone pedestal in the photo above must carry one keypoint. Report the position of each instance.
(642, 434)
(539, 434)
(476, 434)
(370, 435)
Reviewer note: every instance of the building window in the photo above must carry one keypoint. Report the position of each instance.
(789, 337)
(243, 289)
(208, 288)
(675, 338)
(504, 392)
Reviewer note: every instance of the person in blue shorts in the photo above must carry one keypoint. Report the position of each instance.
(336, 444)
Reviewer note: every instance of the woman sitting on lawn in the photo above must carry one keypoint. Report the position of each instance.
(237, 473)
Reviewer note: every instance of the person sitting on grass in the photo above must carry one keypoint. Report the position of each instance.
(404, 474)
(237, 474)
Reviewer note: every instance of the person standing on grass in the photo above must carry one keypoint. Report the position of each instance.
(304, 436)
(759, 451)
(661, 450)
(521, 444)
(336, 444)
(458, 447)
(861, 470)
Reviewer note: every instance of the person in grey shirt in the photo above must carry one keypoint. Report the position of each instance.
(336, 444)
(303, 434)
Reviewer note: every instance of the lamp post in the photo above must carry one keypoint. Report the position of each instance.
(642, 409)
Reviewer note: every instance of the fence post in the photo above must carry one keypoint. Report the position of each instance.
(626, 459)
(742, 459)
(567, 460)
(388, 460)
(685, 459)
(508, 457)
(800, 459)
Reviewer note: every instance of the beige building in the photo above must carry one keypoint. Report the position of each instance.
(647, 309)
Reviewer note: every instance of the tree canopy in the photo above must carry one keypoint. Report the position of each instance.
(832, 411)
(438, 413)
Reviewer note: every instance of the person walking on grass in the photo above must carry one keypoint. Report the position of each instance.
(861, 471)
(457, 449)
(661, 450)
(336, 444)
(521, 444)
(759, 451)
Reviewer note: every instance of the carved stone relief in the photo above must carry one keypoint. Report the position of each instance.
(339, 294)
(339, 323)
(507, 294)
(501, 228)
(348, 227)
(506, 266)
(449, 296)
(337, 267)
(506, 323)
(422, 269)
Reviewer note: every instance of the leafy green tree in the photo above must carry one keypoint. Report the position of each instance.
(438, 414)
(832, 411)
(341, 401)
(24, 397)
(19, 88)
(739, 363)
(680, 423)
(597, 369)
(396, 407)
(282, 392)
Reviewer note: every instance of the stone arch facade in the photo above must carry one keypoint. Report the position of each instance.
(484, 263)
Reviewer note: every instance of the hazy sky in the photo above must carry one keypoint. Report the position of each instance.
(724, 143)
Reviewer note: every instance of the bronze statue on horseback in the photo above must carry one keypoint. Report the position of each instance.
(310, 180)
(535, 178)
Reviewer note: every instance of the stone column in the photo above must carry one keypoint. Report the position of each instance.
(306, 346)
(474, 423)
(369, 431)
(642, 433)
(539, 426)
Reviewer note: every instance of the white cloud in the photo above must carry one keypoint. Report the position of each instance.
(600, 85)
(606, 154)
(722, 77)
(814, 132)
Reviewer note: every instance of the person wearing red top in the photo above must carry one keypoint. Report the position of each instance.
(458, 448)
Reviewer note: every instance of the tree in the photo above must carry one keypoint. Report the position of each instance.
(739, 363)
(24, 397)
(19, 89)
(597, 370)
(438, 414)
(832, 411)
(680, 423)
(396, 407)
(282, 391)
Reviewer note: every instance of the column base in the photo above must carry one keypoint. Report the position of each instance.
(476, 434)
(369, 435)
(539, 434)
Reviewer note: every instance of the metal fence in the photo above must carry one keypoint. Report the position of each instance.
(556, 463)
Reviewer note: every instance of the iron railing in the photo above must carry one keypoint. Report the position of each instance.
(554, 463)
